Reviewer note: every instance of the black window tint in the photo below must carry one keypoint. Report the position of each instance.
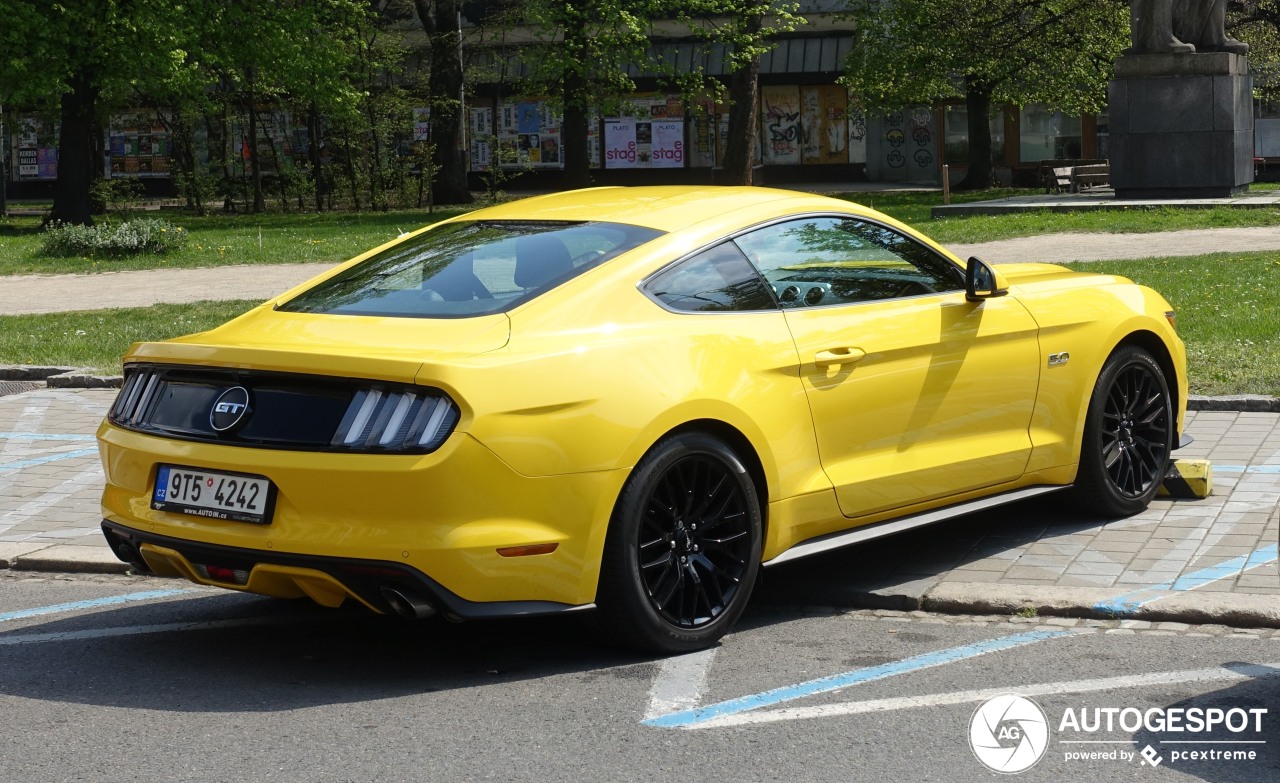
(829, 261)
(466, 269)
(718, 279)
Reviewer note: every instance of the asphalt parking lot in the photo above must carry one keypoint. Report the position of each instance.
(103, 676)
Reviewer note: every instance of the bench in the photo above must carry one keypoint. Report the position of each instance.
(1056, 175)
(1096, 175)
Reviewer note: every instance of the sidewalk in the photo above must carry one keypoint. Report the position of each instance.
(1206, 561)
(27, 294)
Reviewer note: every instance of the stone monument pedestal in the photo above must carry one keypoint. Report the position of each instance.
(1181, 126)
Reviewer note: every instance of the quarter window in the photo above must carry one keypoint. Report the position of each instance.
(717, 279)
(828, 261)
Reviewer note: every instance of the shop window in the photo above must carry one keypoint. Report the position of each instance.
(1048, 135)
(956, 129)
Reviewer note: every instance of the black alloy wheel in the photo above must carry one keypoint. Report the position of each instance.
(694, 541)
(684, 548)
(1128, 437)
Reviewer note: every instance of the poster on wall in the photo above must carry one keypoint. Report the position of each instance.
(668, 145)
(35, 150)
(651, 135)
(824, 124)
(480, 135)
(780, 121)
(528, 134)
(621, 150)
(138, 145)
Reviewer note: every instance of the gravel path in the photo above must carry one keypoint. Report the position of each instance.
(1061, 248)
(22, 294)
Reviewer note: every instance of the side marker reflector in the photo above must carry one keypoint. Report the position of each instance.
(525, 551)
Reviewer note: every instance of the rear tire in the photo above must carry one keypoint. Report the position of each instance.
(683, 549)
(1128, 436)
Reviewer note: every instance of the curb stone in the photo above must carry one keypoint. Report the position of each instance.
(60, 377)
(1244, 403)
(28, 372)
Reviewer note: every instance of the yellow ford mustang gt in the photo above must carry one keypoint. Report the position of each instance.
(628, 400)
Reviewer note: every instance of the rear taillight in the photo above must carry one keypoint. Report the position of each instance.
(396, 420)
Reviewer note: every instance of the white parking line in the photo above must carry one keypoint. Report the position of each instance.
(10, 640)
(679, 683)
(1235, 672)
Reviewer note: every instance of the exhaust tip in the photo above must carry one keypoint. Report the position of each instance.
(128, 553)
(407, 603)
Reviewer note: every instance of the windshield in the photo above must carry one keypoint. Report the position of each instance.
(467, 269)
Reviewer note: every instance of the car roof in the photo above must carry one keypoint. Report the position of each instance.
(665, 208)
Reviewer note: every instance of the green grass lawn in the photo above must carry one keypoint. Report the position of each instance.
(275, 238)
(914, 210)
(1228, 313)
(271, 238)
(98, 338)
(1228, 307)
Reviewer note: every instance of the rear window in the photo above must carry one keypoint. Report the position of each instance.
(467, 269)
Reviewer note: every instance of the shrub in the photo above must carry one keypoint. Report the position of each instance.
(113, 240)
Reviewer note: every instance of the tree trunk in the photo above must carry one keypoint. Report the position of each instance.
(255, 160)
(77, 170)
(744, 117)
(981, 174)
(576, 126)
(313, 152)
(439, 20)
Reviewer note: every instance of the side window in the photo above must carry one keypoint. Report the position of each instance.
(717, 279)
(826, 261)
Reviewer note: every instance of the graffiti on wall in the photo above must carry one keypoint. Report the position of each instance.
(780, 117)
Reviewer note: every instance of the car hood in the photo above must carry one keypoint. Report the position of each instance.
(380, 348)
(1052, 275)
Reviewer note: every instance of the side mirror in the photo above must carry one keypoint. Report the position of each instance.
(982, 281)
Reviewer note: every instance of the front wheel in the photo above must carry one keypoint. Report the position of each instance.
(683, 548)
(1128, 436)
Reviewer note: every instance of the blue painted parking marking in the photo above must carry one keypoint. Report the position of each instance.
(27, 463)
(75, 606)
(692, 717)
(1129, 603)
(41, 436)
(1266, 470)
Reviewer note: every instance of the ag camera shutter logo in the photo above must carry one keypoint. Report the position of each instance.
(1009, 734)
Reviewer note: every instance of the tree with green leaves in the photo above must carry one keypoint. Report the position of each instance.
(1055, 52)
(1257, 23)
(76, 60)
(747, 28)
(581, 54)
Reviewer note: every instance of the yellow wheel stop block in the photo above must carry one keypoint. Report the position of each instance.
(1188, 478)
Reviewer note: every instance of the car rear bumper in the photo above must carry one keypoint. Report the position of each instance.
(447, 523)
(328, 581)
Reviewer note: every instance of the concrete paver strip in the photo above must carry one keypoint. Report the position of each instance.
(1065, 248)
(29, 294)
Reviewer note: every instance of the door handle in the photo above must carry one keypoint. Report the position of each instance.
(839, 356)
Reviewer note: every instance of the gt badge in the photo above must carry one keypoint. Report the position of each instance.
(230, 409)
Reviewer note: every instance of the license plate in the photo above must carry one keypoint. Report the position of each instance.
(214, 494)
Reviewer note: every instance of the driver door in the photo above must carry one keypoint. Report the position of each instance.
(916, 394)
